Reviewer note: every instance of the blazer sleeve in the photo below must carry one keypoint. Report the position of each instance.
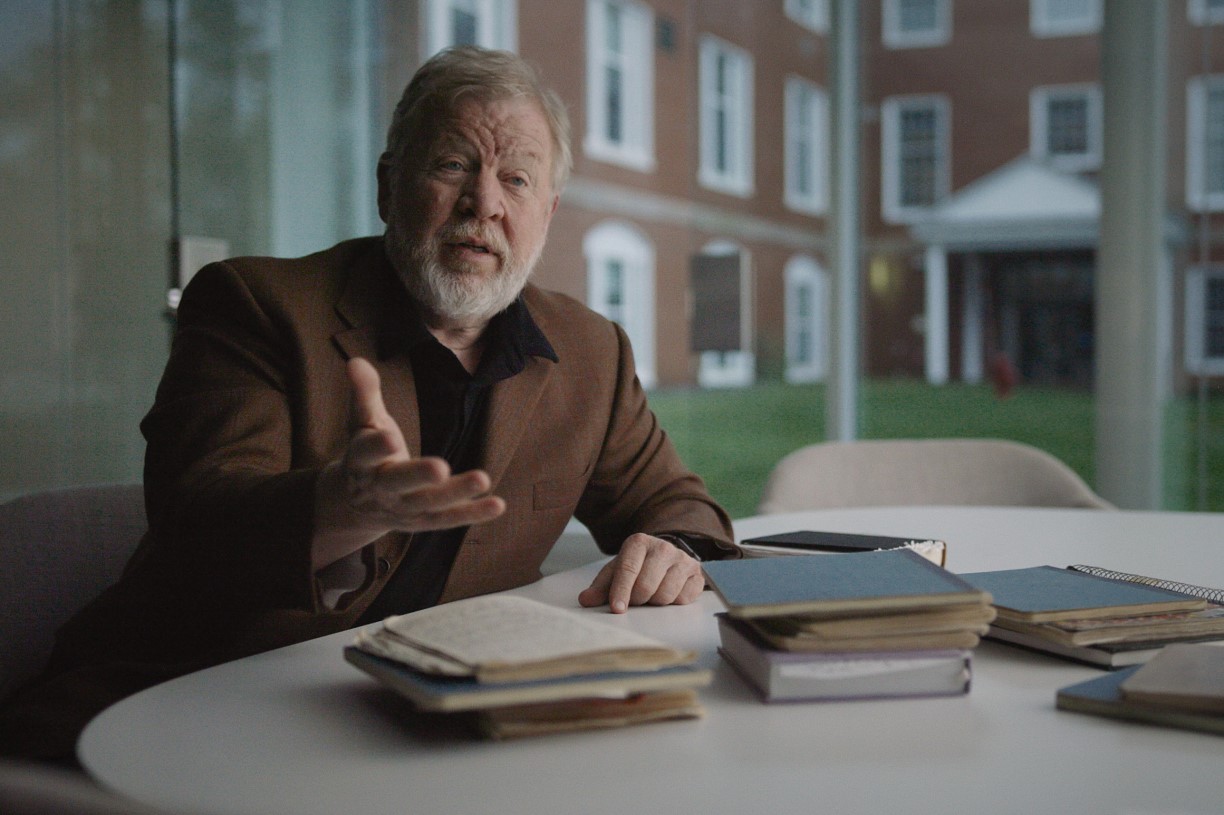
(229, 499)
(639, 483)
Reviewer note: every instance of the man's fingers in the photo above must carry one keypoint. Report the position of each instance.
(626, 572)
(368, 403)
(647, 570)
(596, 594)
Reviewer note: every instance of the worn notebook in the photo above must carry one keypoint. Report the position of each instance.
(451, 694)
(1046, 593)
(787, 676)
(867, 582)
(806, 542)
(1103, 696)
(1182, 676)
(505, 638)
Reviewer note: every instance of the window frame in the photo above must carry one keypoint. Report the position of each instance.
(813, 137)
(636, 149)
(1043, 25)
(804, 271)
(1198, 197)
(1197, 320)
(732, 369)
(737, 178)
(892, 209)
(1200, 12)
(1039, 126)
(497, 25)
(632, 248)
(896, 37)
(814, 15)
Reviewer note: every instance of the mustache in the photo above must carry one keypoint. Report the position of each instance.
(473, 233)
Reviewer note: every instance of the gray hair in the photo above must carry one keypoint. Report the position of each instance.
(468, 72)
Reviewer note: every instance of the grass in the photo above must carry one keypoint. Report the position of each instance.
(733, 437)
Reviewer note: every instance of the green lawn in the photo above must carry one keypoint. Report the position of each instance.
(733, 437)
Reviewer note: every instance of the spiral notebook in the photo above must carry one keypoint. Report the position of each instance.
(1211, 595)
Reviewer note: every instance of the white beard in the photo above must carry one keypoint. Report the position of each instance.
(455, 292)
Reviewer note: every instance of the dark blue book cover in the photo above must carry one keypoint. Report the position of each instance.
(890, 580)
(1049, 593)
(1103, 697)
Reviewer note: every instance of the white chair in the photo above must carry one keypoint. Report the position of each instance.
(907, 472)
(58, 550)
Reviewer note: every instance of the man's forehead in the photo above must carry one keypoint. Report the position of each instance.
(508, 127)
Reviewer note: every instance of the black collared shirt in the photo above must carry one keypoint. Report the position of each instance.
(453, 404)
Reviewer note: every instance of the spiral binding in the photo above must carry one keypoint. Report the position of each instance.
(1214, 595)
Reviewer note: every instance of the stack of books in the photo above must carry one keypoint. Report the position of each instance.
(871, 625)
(1182, 687)
(511, 666)
(1081, 614)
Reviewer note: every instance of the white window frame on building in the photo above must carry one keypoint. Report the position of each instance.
(1203, 319)
(1042, 126)
(813, 14)
(902, 29)
(732, 369)
(726, 102)
(620, 262)
(620, 83)
(807, 146)
(806, 320)
(1205, 12)
(897, 151)
(495, 24)
(1205, 143)
(1064, 18)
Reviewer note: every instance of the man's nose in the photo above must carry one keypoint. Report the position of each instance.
(482, 197)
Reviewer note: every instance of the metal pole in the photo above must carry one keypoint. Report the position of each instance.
(842, 406)
(1132, 299)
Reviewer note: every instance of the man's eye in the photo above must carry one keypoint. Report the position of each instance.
(517, 181)
(452, 165)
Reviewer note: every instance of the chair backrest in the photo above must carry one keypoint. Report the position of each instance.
(906, 472)
(58, 550)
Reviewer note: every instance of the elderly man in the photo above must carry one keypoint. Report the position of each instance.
(388, 424)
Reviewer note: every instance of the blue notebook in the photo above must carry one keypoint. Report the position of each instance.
(1047, 593)
(1103, 697)
(869, 582)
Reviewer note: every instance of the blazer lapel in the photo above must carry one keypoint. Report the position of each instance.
(364, 307)
(512, 406)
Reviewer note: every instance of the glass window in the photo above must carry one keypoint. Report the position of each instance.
(620, 263)
(726, 117)
(1064, 18)
(1205, 12)
(1066, 126)
(917, 23)
(489, 23)
(807, 152)
(1205, 321)
(813, 14)
(807, 320)
(1205, 144)
(620, 84)
(724, 369)
(914, 155)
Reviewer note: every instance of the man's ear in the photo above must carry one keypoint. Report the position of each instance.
(385, 177)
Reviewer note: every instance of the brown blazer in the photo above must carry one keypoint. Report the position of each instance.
(255, 400)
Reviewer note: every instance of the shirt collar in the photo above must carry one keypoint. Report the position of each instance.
(510, 338)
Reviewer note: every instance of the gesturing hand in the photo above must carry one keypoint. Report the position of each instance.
(647, 570)
(377, 486)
